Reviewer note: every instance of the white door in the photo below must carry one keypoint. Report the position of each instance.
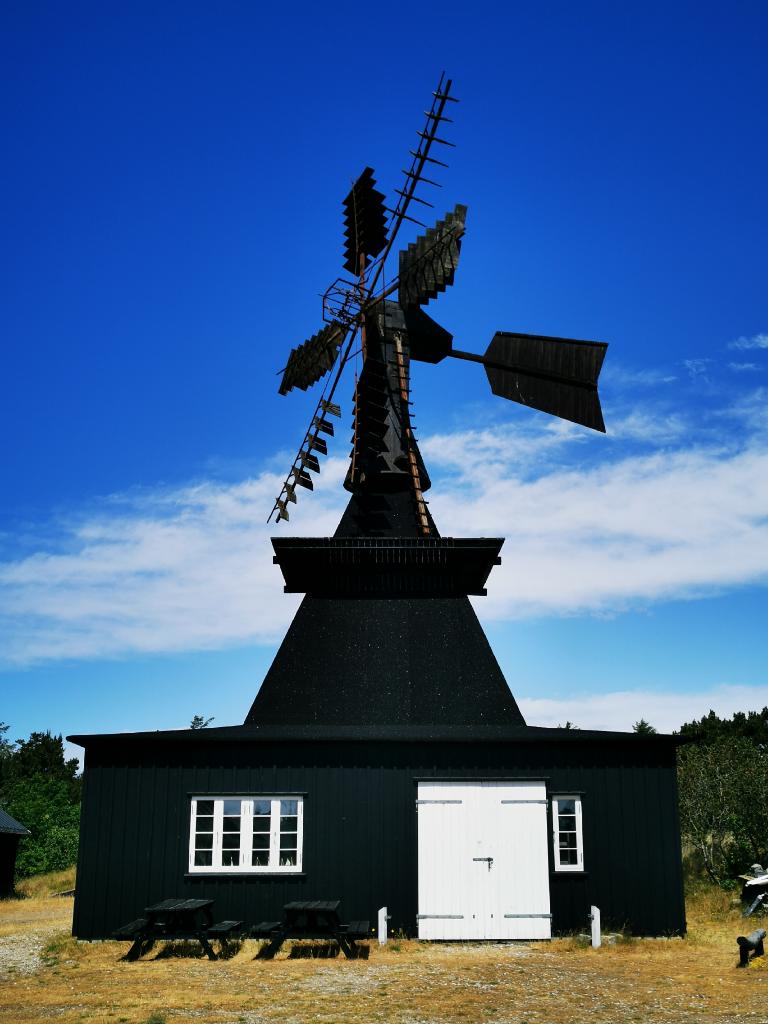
(483, 864)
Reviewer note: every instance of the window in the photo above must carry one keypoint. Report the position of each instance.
(246, 833)
(567, 834)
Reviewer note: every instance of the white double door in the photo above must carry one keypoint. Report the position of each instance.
(483, 862)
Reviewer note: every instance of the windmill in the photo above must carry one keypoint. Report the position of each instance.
(554, 375)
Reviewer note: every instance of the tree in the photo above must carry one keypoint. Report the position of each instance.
(6, 747)
(568, 725)
(644, 728)
(752, 726)
(723, 797)
(198, 722)
(41, 789)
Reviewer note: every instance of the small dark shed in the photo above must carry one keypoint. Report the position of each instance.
(11, 832)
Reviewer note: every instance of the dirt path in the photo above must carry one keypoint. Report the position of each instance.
(26, 926)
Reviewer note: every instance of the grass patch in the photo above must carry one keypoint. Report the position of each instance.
(61, 948)
(46, 885)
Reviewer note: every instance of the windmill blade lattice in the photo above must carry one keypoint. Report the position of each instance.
(428, 265)
(312, 360)
(365, 220)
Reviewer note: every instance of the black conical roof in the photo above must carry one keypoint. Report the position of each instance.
(386, 635)
(385, 661)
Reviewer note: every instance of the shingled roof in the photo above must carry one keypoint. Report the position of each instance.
(9, 825)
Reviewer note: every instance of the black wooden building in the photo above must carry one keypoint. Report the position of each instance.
(385, 762)
(11, 831)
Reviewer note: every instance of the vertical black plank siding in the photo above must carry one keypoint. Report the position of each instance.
(360, 826)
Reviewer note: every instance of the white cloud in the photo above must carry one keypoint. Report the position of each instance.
(743, 367)
(648, 527)
(756, 341)
(621, 709)
(188, 569)
(191, 568)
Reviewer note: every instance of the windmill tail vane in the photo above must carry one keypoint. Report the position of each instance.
(553, 375)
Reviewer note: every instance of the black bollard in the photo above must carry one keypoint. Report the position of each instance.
(752, 943)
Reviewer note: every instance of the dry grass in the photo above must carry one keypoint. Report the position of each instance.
(47, 885)
(407, 982)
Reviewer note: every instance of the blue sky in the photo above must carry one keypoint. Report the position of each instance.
(170, 207)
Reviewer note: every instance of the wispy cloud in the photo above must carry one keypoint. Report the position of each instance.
(698, 369)
(187, 569)
(616, 375)
(593, 527)
(756, 341)
(743, 367)
(621, 709)
(645, 528)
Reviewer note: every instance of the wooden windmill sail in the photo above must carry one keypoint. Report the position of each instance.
(387, 319)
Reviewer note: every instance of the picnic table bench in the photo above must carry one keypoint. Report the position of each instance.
(310, 919)
(173, 919)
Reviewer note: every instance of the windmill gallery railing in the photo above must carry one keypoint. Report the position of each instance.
(555, 375)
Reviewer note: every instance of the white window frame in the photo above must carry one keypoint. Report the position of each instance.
(244, 865)
(556, 799)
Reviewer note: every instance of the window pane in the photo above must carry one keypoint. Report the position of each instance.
(566, 806)
(568, 857)
(567, 839)
(218, 825)
(566, 822)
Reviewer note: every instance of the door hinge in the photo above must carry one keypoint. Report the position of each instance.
(439, 917)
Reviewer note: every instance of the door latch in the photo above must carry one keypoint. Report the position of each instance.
(488, 859)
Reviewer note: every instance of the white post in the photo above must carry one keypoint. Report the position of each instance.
(594, 917)
(383, 926)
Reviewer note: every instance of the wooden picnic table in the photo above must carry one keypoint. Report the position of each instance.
(173, 919)
(311, 919)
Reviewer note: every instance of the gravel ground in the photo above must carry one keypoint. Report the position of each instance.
(25, 928)
(22, 954)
